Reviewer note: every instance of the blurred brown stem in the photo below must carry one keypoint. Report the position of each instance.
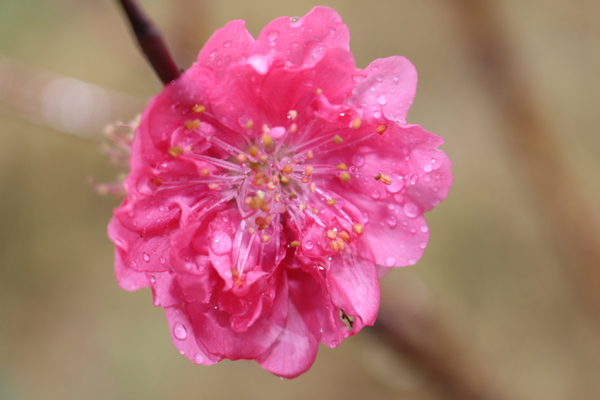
(151, 42)
(560, 199)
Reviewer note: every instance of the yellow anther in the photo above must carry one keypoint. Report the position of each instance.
(293, 128)
(358, 228)
(331, 234)
(312, 187)
(242, 158)
(157, 181)
(265, 207)
(267, 139)
(250, 202)
(271, 186)
(175, 151)
(345, 176)
(331, 201)
(265, 238)
(337, 139)
(342, 166)
(293, 114)
(263, 227)
(383, 178)
(315, 211)
(303, 206)
(356, 123)
(334, 245)
(319, 91)
(288, 169)
(341, 243)
(310, 155)
(284, 179)
(295, 243)
(249, 125)
(304, 179)
(253, 151)
(213, 186)
(191, 125)
(205, 172)
(251, 230)
(263, 158)
(283, 209)
(308, 170)
(380, 129)
(293, 196)
(265, 128)
(276, 198)
(198, 108)
(345, 236)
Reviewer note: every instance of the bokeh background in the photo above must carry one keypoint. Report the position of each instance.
(492, 269)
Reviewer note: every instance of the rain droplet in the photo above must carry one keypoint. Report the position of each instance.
(379, 78)
(414, 179)
(382, 99)
(377, 114)
(396, 78)
(221, 243)
(411, 210)
(198, 359)
(392, 221)
(162, 260)
(227, 43)
(272, 35)
(146, 257)
(358, 160)
(412, 261)
(428, 168)
(309, 245)
(390, 261)
(179, 331)
(375, 194)
(424, 229)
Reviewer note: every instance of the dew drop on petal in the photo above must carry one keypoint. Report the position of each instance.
(396, 185)
(221, 243)
(382, 99)
(414, 179)
(377, 114)
(375, 194)
(179, 331)
(198, 359)
(146, 257)
(390, 261)
(227, 43)
(309, 245)
(424, 229)
(358, 160)
(411, 210)
(396, 78)
(392, 221)
(272, 35)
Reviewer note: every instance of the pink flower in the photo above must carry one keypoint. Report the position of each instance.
(270, 186)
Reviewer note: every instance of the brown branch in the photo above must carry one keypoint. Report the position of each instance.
(151, 42)
(559, 198)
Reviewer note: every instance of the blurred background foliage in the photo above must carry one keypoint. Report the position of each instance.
(67, 331)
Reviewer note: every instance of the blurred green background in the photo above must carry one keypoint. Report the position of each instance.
(67, 331)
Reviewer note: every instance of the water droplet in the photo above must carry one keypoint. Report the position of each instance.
(366, 217)
(198, 359)
(227, 43)
(392, 221)
(423, 245)
(309, 245)
(221, 243)
(433, 160)
(146, 257)
(414, 179)
(162, 260)
(390, 261)
(179, 331)
(372, 88)
(377, 114)
(332, 31)
(411, 210)
(379, 78)
(412, 261)
(375, 194)
(424, 229)
(358, 160)
(428, 168)
(396, 78)
(182, 352)
(396, 185)
(272, 35)
(293, 20)
(382, 99)
(357, 78)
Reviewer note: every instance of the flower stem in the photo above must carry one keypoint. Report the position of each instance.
(151, 42)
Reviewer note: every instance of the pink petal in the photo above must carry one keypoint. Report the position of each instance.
(184, 336)
(354, 288)
(295, 349)
(389, 88)
(304, 39)
(227, 45)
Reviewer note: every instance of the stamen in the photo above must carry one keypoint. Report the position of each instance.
(308, 170)
(198, 109)
(192, 125)
(331, 201)
(312, 187)
(331, 234)
(295, 243)
(345, 176)
(319, 91)
(288, 169)
(175, 151)
(249, 125)
(358, 229)
(380, 129)
(356, 123)
(310, 155)
(293, 114)
(253, 151)
(337, 139)
(265, 238)
(267, 139)
(205, 172)
(242, 158)
(384, 178)
(345, 236)
(293, 128)
(342, 166)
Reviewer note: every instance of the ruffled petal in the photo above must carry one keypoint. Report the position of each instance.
(389, 89)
